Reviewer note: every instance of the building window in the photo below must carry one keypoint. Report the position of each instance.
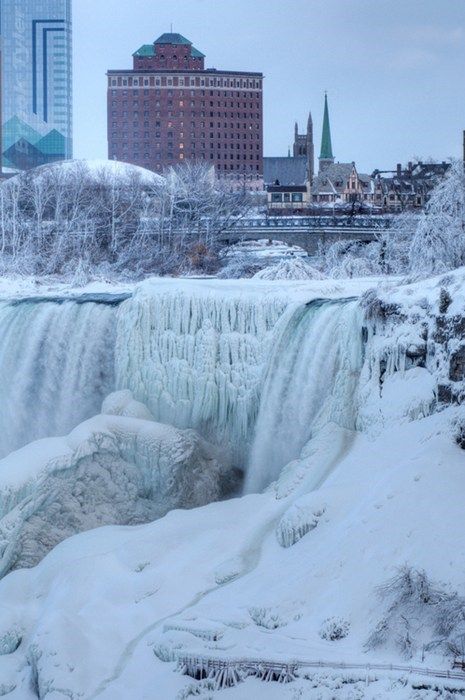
(297, 197)
(276, 197)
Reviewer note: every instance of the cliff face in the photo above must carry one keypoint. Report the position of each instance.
(423, 325)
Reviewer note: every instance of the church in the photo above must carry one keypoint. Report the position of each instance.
(293, 186)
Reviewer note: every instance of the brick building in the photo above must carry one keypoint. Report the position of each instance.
(169, 109)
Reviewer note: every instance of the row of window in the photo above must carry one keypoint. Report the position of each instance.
(287, 197)
(181, 93)
(246, 83)
(221, 138)
(137, 104)
(169, 153)
(193, 145)
(173, 115)
(136, 124)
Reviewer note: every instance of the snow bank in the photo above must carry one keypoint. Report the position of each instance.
(116, 468)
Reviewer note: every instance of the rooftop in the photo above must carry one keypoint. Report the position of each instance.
(170, 38)
(285, 170)
(167, 39)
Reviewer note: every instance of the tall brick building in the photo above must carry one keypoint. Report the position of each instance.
(169, 109)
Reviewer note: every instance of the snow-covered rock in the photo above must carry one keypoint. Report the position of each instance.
(113, 469)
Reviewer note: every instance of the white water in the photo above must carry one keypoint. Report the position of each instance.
(56, 366)
(310, 381)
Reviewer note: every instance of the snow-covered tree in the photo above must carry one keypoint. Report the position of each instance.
(79, 217)
(439, 242)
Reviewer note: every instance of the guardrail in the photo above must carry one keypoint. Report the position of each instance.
(227, 672)
(337, 222)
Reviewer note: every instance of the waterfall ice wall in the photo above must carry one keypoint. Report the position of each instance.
(311, 380)
(56, 366)
(196, 358)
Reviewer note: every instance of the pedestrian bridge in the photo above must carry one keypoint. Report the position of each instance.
(307, 231)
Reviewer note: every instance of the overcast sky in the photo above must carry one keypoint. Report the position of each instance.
(394, 69)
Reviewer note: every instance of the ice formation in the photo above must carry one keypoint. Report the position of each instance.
(117, 468)
(196, 360)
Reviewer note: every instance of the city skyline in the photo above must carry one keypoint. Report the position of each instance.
(384, 70)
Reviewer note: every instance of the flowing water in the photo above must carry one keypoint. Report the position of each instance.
(56, 366)
(310, 380)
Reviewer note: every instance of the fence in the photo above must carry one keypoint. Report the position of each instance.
(226, 673)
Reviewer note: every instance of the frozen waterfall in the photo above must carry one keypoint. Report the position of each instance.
(196, 359)
(310, 380)
(56, 366)
(256, 374)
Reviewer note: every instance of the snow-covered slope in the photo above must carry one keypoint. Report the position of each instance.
(353, 555)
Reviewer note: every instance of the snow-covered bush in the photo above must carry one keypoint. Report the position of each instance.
(10, 641)
(240, 266)
(395, 242)
(419, 614)
(292, 269)
(439, 241)
(460, 434)
(352, 258)
(334, 628)
(270, 618)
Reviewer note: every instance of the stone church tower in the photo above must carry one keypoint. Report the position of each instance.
(303, 146)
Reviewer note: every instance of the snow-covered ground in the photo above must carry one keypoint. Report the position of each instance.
(365, 486)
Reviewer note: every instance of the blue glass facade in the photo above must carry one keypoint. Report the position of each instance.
(36, 82)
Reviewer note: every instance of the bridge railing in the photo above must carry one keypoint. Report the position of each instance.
(324, 222)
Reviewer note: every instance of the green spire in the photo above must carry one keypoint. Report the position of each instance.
(326, 147)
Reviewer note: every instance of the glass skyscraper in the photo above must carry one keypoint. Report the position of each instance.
(36, 86)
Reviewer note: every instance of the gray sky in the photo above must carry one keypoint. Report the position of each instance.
(394, 69)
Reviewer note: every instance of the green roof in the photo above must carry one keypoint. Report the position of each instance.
(170, 38)
(326, 146)
(145, 50)
(148, 50)
(195, 53)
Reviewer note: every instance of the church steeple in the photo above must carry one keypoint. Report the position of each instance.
(310, 149)
(326, 154)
